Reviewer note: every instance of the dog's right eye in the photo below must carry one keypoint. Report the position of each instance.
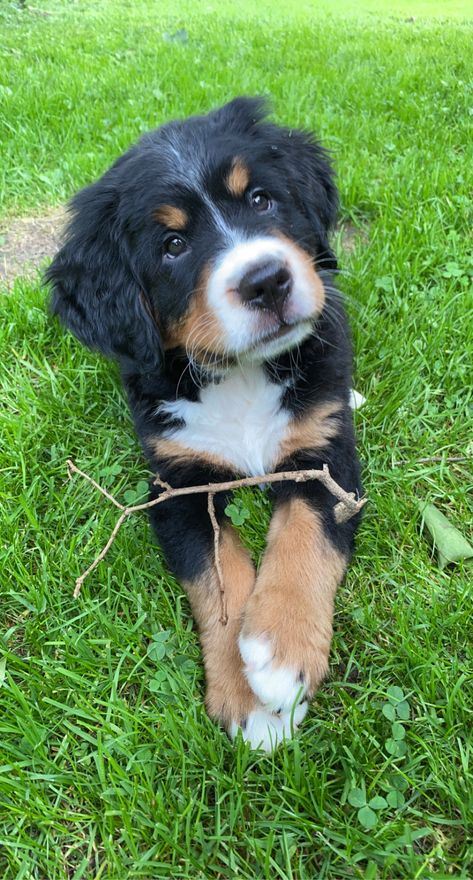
(174, 246)
(261, 200)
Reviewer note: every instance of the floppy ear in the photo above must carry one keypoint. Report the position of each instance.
(316, 175)
(241, 115)
(310, 178)
(313, 182)
(96, 292)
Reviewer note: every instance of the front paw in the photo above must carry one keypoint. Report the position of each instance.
(279, 687)
(265, 730)
(230, 701)
(238, 710)
(285, 655)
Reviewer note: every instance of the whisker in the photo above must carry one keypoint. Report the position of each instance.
(187, 367)
(207, 360)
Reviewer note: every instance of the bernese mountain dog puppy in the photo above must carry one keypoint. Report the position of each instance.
(201, 262)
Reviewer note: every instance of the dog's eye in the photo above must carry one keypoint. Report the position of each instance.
(261, 201)
(174, 246)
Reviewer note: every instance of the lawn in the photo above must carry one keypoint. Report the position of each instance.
(109, 766)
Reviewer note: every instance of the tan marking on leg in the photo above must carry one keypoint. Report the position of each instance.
(313, 430)
(171, 216)
(181, 454)
(238, 177)
(292, 603)
(229, 697)
(307, 264)
(199, 331)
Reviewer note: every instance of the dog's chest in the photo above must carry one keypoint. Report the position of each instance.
(240, 419)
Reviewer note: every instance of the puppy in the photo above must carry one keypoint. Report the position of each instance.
(201, 262)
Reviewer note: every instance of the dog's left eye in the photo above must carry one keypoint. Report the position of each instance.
(174, 246)
(261, 200)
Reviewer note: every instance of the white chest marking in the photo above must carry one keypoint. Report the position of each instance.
(239, 420)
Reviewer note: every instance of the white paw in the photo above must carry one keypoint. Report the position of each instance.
(263, 730)
(356, 399)
(279, 688)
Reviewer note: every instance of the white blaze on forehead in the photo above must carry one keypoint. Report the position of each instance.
(229, 234)
(192, 167)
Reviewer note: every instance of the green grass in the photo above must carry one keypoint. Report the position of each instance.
(109, 767)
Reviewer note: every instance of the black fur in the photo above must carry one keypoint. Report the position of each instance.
(113, 288)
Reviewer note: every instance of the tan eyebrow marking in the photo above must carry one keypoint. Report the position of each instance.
(238, 177)
(172, 217)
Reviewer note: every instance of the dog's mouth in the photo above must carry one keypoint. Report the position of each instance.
(283, 338)
(268, 345)
(281, 331)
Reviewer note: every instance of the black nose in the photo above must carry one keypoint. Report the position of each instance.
(266, 286)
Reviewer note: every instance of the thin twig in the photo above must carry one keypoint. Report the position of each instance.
(73, 469)
(433, 459)
(348, 505)
(80, 580)
(218, 566)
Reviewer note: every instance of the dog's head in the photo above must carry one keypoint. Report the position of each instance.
(209, 235)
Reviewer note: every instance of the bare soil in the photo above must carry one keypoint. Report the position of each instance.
(27, 242)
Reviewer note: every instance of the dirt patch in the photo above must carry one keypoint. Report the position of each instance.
(25, 242)
(349, 236)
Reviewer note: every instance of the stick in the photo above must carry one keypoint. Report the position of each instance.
(433, 459)
(80, 580)
(348, 505)
(72, 469)
(218, 567)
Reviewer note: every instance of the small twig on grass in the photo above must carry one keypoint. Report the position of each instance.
(433, 459)
(218, 566)
(80, 580)
(73, 469)
(348, 505)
